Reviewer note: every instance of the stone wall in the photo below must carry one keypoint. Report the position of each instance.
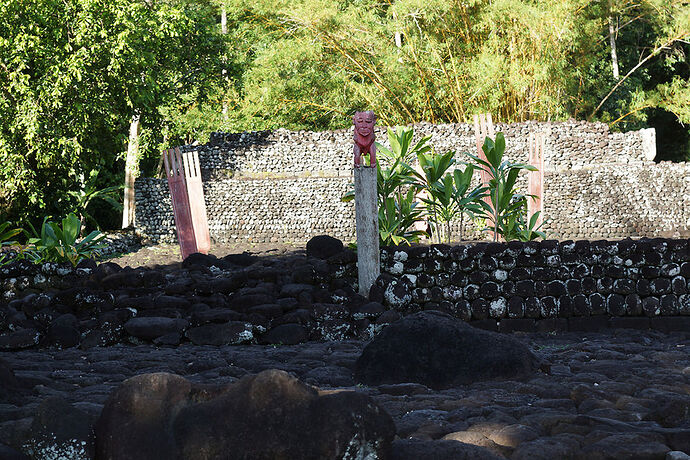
(285, 186)
(546, 285)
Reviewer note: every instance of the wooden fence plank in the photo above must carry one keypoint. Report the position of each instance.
(174, 169)
(536, 178)
(197, 204)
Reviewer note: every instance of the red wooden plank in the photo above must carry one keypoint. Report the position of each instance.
(197, 204)
(174, 169)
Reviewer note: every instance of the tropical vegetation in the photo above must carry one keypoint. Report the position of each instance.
(438, 191)
(78, 76)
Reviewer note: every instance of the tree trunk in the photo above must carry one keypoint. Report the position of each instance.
(131, 172)
(224, 31)
(612, 42)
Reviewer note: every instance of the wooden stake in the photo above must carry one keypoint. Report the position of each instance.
(129, 204)
(367, 219)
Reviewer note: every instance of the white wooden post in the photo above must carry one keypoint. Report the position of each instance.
(367, 218)
(131, 172)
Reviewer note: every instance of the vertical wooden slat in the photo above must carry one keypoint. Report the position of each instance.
(535, 184)
(197, 204)
(483, 127)
(174, 169)
(129, 203)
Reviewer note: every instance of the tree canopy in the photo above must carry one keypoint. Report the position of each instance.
(75, 72)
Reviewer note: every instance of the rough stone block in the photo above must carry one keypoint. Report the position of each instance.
(517, 325)
(639, 322)
(597, 304)
(671, 323)
(480, 309)
(651, 306)
(633, 305)
(549, 307)
(588, 324)
(516, 307)
(615, 304)
(532, 307)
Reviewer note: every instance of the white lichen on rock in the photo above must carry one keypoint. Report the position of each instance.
(396, 268)
(411, 278)
(400, 256)
(361, 449)
(498, 307)
(73, 449)
(501, 275)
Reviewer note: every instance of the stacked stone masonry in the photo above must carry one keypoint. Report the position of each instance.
(281, 185)
(549, 284)
(536, 286)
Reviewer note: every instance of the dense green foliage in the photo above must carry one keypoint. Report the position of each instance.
(73, 73)
(439, 192)
(62, 243)
(505, 208)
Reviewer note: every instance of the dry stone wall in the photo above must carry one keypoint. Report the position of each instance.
(284, 185)
(544, 285)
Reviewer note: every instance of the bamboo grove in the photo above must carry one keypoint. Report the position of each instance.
(75, 73)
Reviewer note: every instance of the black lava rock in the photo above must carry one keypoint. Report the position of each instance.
(439, 351)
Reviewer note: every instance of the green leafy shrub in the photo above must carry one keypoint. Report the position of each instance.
(400, 202)
(89, 191)
(62, 244)
(7, 235)
(398, 209)
(446, 196)
(507, 211)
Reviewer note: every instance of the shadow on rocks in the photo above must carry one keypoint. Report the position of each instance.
(439, 351)
(271, 415)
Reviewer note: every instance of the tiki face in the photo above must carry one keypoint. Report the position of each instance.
(364, 123)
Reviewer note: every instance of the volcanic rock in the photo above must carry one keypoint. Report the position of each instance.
(323, 246)
(439, 351)
(271, 415)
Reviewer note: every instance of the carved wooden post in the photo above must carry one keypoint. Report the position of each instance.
(366, 202)
(174, 169)
(367, 218)
(535, 185)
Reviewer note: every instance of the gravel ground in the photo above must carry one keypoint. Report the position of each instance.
(625, 394)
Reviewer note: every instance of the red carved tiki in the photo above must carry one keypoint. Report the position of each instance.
(364, 137)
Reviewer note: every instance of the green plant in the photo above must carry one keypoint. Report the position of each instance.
(517, 228)
(506, 209)
(397, 216)
(446, 195)
(7, 239)
(7, 235)
(61, 244)
(88, 192)
(398, 210)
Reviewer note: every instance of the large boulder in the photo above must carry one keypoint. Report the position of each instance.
(60, 430)
(9, 385)
(136, 417)
(439, 351)
(271, 415)
(324, 246)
